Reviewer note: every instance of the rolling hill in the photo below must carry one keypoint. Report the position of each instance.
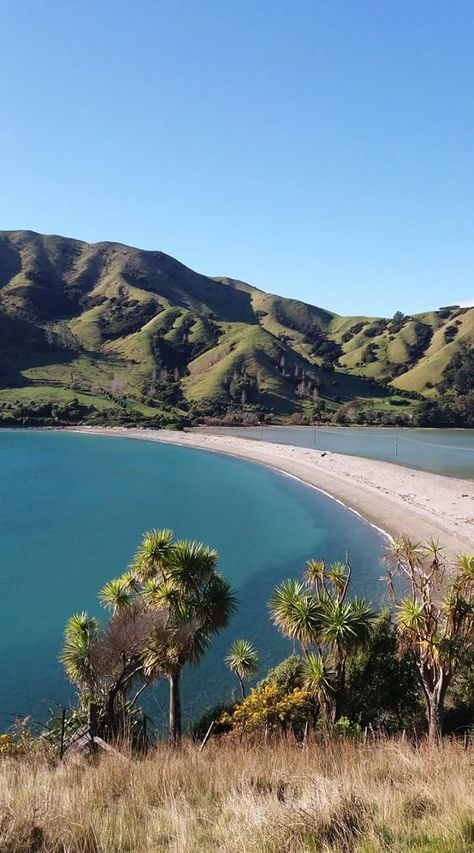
(122, 329)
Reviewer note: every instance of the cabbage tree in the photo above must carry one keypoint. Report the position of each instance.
(435, 620)
(318, 613)
(242, 660)
(165, 609)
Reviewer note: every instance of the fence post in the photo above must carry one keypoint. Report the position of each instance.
(207, 736)
(92, 721)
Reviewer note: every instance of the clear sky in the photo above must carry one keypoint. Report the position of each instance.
(321, 149)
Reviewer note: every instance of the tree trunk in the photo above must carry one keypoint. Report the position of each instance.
(435, 721)
(435, 694)
(242, 687)
(339, 691)
(175, 709)
(436, 709)
(110, 715)
(92, 720)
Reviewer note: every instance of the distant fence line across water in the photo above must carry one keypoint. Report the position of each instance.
(448, 452)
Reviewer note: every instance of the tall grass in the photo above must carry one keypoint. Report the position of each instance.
(337, 795)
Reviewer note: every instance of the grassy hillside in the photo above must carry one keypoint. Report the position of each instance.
(138, 332)
(336, 795)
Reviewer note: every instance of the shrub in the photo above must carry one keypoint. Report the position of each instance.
(382, 687)
(287, 675)
(269, 708)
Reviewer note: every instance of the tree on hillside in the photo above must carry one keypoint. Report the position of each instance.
(106, 664)
(382, 688)
(435, 621)
(319, 681)
(165, 610)
(318, 614)
(242, 660)
(344, 628)
(294, 611)
(182, 581)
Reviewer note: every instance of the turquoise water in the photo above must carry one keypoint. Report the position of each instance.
(442, 451)
(72, 509)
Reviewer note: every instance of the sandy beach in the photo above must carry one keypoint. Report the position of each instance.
(396, 499)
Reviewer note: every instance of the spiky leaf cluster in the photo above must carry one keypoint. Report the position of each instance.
(328, 625)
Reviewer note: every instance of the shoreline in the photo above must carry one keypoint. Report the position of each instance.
(392, 498)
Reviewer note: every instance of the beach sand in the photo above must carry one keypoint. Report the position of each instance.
(396, 499)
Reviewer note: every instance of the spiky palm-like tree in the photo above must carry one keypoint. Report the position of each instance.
(116, 595)
(332, 581)
(344, 628)
(76, 656)
(338, 576)
(435, 622)
(319, 681)
(314, 574)
(465, 569)
(199, 601)
(165, 610)
(295, 611)
(242, 660)
(152, 554)
(318, 614)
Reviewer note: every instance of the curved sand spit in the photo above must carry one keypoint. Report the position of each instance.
(398, 500)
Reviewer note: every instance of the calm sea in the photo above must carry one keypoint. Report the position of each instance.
(72, 510)
(442, 451)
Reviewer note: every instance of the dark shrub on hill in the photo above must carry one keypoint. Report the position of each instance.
(377, 329)
(459, 374)
(125, 316)
(356, 328)
(44, 413)
(446, 412)
(397, 323)
(382, 686)
(423, 333)
(450, 333)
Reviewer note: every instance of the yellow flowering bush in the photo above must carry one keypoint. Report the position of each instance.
(8, 745)
(269, 706)
(12, 745)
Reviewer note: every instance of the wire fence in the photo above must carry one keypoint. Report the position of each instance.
(64, 730)
(388, 438)
(433, 444)
(397, 437)
(389, 445)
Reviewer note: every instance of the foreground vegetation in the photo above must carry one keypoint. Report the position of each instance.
(172, 600)
(337, 748)
(334, 795)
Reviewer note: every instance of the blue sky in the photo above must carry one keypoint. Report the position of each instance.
(321, 150)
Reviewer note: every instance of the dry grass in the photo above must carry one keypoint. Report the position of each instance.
(232, 798)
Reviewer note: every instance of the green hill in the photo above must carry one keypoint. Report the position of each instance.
(118, 328)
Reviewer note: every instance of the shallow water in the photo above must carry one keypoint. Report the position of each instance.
(72, 510)
(442, 451)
